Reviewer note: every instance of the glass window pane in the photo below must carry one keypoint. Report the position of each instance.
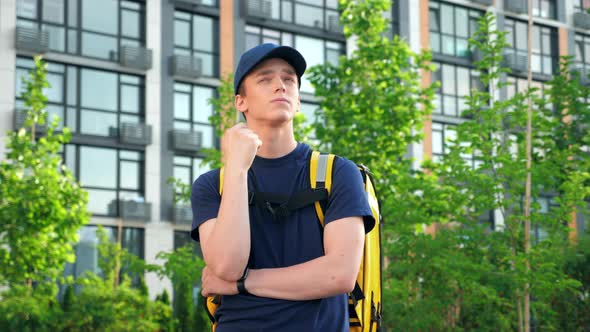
(463, 81)
(183, 174)
(99, 46)
(462, 22)
(437, 142)
(72, 75)
(450, 105)
(208, 63)
(198, 169)
(100, 16)
(53, 112)
(131, 23)
(448, 79)
(446, 16)
(130, 98)
(310, 16)
(521, 36)
(462, 47)
(57, 37)
(203, 33)
(53, 11)
(182, 33)
(100, 200)
(181, 106)
(130, 174)
(99, 89)
(252, 40)
(104, 176)
(55, 92)
(73, 13)
(98, 123)
(184, 161)
(207, 135)
(448, 45)
(433, 16)
(26, 8)
(201, 108)
(287, 11)
(312, 50)
(435, 42)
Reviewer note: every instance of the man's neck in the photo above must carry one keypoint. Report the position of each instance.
(276, 141)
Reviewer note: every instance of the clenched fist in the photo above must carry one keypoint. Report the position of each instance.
(239, 145)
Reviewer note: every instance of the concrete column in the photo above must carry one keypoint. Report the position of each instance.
(7, 69)
(158, 233)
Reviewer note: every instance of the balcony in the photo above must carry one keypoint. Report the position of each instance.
(135, 57)
(182, 214)
(259, 8)
(32, 40)
(516, 6)
(516, 62)
(582, 71)
(334, 24)
(484, 2)
(186, 140)
(131, 210)
(133, 133)
(582, 20)
(188, 2)
(186, 66)
(20, 115)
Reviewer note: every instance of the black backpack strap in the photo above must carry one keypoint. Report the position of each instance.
(281, 205)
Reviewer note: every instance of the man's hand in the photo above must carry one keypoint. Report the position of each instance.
(239, 145)
(213, 285)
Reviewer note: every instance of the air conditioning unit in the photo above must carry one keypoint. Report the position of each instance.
(186, 140)
(582, 20)
(135, 57)
(131, 210)
(517, 62)
(517, 6)
(334, 24)
(259, 8)
(135, 133)
(182, 214)
(186, 66)
(32, 40)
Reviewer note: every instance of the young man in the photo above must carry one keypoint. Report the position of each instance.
(287, 273)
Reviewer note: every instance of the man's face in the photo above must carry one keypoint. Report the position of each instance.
(271, 93)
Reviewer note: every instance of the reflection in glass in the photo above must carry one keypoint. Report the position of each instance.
(99, 89)
(97, 123)
(98, 167)
(99, 46)
(100, 16)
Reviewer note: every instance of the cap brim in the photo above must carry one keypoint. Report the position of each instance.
(289, 54)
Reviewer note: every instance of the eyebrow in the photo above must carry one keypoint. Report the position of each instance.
(270, 71)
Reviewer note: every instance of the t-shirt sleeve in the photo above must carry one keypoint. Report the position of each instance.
(348, 197)
(205, 200)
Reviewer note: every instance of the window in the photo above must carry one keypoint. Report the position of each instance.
(516, 84)
(544, 52)
(581, 5)
(315, 51)
(192, 110)
(86, 27)
(544, 8)
(450, 28)
(74, 99)
(583, 50)
(321, 14)
(108, 175)
(188, 169)
(442, 135)
(198, 36)
(456, 84)
(87, 256)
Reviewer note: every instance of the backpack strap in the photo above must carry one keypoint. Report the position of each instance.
(320, 176)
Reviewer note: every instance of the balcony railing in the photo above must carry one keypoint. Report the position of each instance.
(32, 40)
(186, 66)
(186, 140)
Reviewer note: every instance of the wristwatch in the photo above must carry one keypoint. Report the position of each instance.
(241, 287)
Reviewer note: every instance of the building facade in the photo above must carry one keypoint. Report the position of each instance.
(132, 79)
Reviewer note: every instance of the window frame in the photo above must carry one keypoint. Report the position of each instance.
(192, 49)
(511, 26)
(472, 15)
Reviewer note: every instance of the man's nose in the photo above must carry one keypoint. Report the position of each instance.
(280, 85)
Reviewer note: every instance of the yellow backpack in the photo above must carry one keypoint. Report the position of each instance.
(364, 302)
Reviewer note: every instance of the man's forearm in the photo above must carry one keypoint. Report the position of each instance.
(319, 278)
(228, 246)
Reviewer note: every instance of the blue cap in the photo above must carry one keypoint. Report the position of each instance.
(259, 53)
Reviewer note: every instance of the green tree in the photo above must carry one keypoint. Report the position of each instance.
(41, 204)
(183, 267)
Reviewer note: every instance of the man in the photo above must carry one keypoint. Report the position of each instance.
(276, 274)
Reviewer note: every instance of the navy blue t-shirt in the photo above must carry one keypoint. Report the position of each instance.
(293, 240)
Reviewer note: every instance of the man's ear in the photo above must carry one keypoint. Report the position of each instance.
(241, 103)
